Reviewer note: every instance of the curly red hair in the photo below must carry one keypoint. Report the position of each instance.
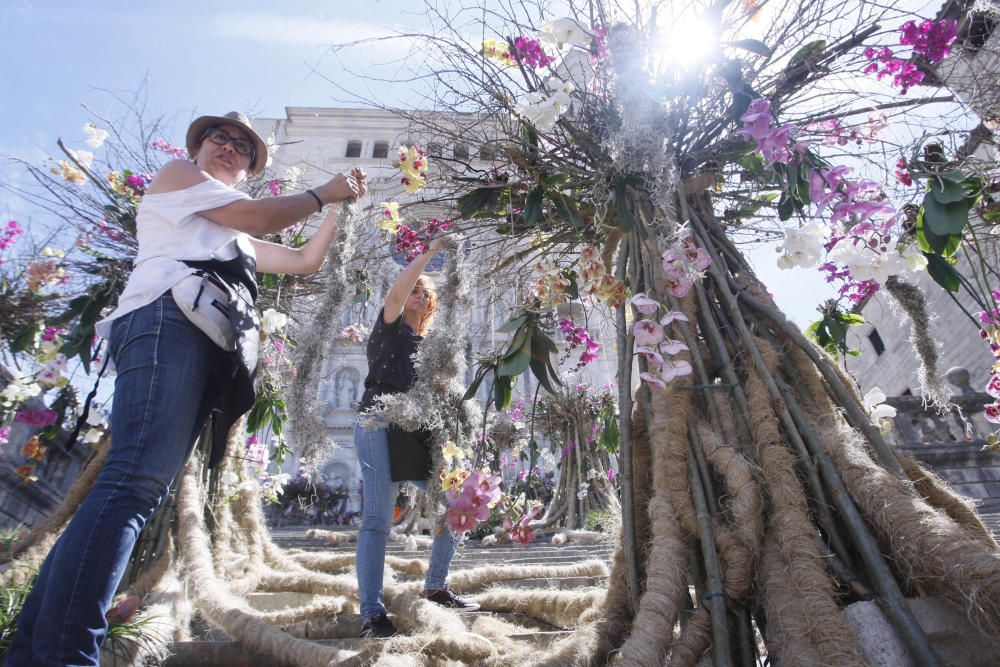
(427, 283)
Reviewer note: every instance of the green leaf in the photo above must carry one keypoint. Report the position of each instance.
(484, 368)
(568, 211)
(945, 219)
(944, 245)
(946, 191)
(753, 46)
(512, 324)
(533, 206)
(943, 273)
(786, 206)
(25, 339)
(479, 201)
(849, 319)
(502, 392)
(518, 355)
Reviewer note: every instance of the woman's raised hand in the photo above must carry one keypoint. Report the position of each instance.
(340, 188)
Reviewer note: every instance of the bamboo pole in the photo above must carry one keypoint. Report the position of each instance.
(625, 343)
(891, 596)
(835, 387)
(716, 601)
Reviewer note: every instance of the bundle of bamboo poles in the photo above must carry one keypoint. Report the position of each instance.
(759, 483)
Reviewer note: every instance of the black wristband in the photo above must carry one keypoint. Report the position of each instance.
(316, 197)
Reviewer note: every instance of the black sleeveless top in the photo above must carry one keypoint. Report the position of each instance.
(390, 352)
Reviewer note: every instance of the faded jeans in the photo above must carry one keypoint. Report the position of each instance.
(162, 398)
(380, 493)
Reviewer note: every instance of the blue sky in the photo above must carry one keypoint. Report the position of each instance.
(61, 54)
(194, 58)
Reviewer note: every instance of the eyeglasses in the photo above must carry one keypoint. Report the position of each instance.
(220, 137)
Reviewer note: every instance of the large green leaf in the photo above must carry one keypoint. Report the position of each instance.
(786, 207)
(946, 191)
(946, 245)
(513, 324)
(943, 273)
(568, 211)
(945, 219)
(479, 202)
(753, 46)
(532, 212)
(518, 354)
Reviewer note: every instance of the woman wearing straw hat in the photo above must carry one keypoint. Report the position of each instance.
(176, 363)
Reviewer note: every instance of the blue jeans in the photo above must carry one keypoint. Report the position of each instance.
(162, 397)
(380, 493)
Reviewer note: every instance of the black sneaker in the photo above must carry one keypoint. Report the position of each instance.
(378, 627)
(446, 598)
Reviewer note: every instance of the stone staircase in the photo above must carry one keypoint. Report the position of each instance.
(213, 648)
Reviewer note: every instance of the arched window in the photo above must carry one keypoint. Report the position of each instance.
(353, 148)
(434, 150)
(461, 152)
(381, 150)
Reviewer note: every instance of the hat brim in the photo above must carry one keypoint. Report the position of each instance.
(202, 123)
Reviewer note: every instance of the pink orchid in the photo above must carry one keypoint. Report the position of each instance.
(992, 412)
(678, 284)
(647, 333)
(698, 258)
(673, 347)
(644, 304)
(522, 534)
(993, 387)
(673, 316)
(757, 120)
(672, 370)
(466, 517)
(653, 380)
(651, 355)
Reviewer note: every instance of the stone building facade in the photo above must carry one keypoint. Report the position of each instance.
(322, 142)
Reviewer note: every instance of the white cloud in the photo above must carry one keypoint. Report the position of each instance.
(304, 31)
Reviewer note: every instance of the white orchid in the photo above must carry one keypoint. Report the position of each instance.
(543, 110)
(85, 158)
(875, 406)
(95, 135)
(565, 32)
(803, 247)
(272, 321)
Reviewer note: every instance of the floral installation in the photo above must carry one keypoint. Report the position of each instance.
(414, 163)
(861, 240)
(577, 336)
(930, 39)
(655, 347)
(990, 333)
(543, 107)
(499, 51)
(411, 242)
(355, 333)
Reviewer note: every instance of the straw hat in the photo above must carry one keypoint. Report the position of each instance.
(236, 119)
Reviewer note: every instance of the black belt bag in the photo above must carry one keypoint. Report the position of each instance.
(409, 454)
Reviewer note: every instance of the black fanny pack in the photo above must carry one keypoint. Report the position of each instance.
(236, 393)
(409, 454)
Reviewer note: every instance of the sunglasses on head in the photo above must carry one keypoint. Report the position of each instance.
(220, 137)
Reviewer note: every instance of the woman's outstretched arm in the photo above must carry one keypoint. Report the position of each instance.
(395, 299)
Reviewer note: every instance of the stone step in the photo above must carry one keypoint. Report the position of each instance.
(232, 654)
